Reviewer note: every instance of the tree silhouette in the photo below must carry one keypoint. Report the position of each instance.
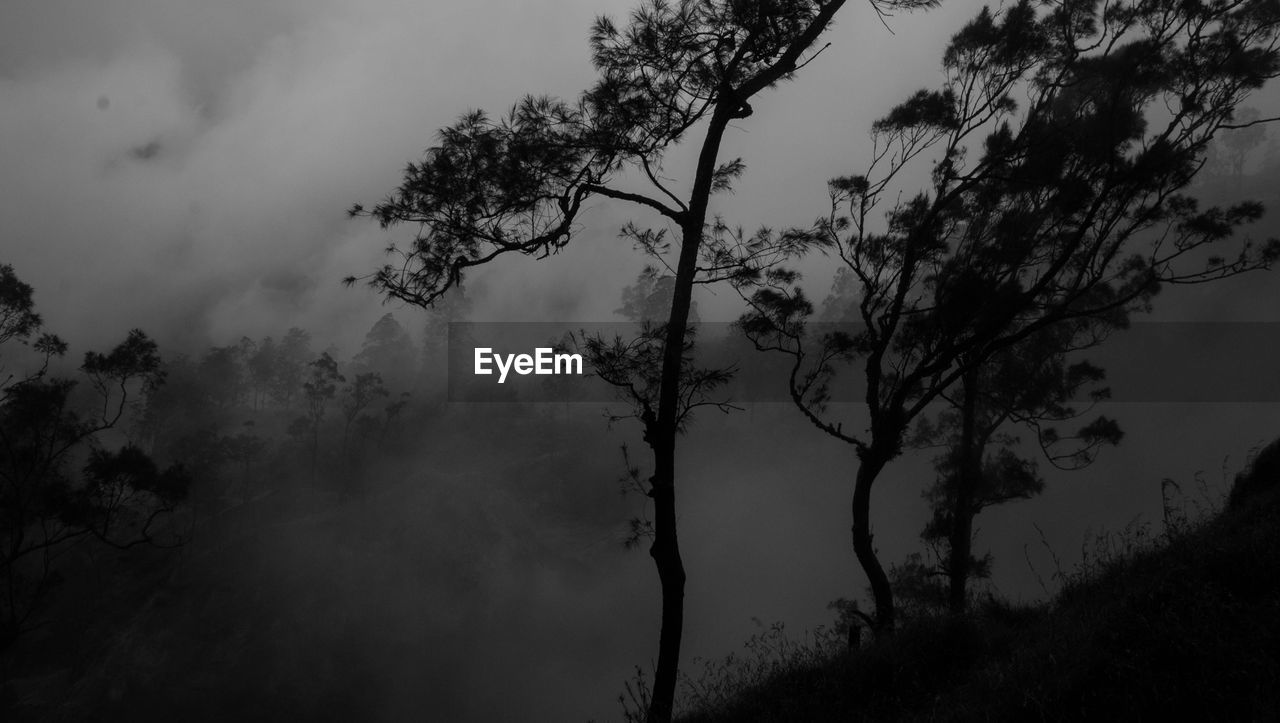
(649, 298)
(1032, 384)
(1090, 120)
(290, 366)
(260, 367)
(320, 388)
(1236, 145)
(119, 497)
(1029, 383)
(18, 319)
(388, 351)
(357, 396)
(517, 185)
(451, 308)
(222, 371)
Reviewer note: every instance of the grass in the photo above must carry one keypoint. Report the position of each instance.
(1183, 625)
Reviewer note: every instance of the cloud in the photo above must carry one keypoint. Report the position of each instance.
(166, 163)
(169, 167)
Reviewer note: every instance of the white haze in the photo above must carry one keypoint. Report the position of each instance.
(185, 167)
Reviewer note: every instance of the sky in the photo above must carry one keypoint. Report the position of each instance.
(185, 167)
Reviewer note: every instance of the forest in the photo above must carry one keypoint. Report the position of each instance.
(859, 447)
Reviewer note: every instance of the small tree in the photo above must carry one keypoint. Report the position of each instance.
(388, 351)
(223, 376)
(118, 497)
(451, 308)
(1236, 145)
(649, 298)
(261, 365)
(18, 318)
(356, 398)
(1032, 384)
(1070, 212)
(1029, 383)
(290, 366)
(318, 390)
(243, 449)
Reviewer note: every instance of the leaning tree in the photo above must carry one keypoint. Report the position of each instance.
(677, 73)
(1038, 385)
(1090, 120)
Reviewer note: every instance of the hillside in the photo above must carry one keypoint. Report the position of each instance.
(1186, 629)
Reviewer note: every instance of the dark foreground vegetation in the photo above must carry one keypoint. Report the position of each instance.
(1185, 626)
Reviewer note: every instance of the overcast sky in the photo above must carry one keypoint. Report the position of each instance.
(185, 166)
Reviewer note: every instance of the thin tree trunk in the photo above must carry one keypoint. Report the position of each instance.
(666, 555)
(662, 432)
(966, 480)
(665, 550)
(871, 462)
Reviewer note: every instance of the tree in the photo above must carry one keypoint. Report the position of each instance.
(450, 308)
(649, 298)
(243, 449)
(290, 366)
(516, 185)
(261, 365)
(1235, 146)
(356, 398)
(1033, 384)
(388, 351)
(223, 376)
(119, 497)
(319, 389)
(1030, 383)
(18, 318)
(1070, 212)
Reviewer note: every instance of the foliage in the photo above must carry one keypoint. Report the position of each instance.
(59, 485)
(648, 299)
(1091, 120)
(1231, 152)
(387, 351)
(1167, 626)
(517, 185)
(18, 318)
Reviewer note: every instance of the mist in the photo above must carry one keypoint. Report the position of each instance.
(186, 169)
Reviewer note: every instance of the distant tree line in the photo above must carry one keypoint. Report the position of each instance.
(140, 449)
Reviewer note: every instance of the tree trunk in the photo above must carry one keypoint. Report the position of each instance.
(966, 480)
(315, 451)
(871, 462)
(665, 552)
(661, 434)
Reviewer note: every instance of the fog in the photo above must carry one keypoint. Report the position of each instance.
(185, 168)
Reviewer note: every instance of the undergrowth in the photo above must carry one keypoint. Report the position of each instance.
(1177, 619)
